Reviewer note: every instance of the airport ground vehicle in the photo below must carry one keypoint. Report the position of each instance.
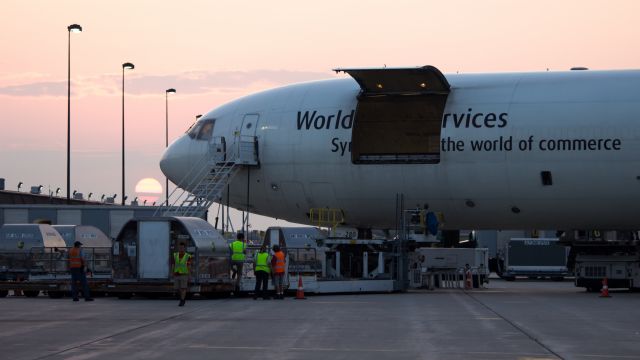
(614, 255)
(433, 267)
(33, 258)
(335, 261)
(142, 251)
(329, 264)
(533, 257)
(138, 261)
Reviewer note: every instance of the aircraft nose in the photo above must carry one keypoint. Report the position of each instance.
(176, 160)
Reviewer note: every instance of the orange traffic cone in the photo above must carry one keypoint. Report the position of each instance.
(468, 282)
(605, 289)
(18, 292)
(300, 292)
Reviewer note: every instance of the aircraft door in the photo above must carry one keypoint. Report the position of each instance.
(247, 141)
(249, 125)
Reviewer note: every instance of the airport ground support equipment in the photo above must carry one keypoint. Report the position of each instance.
(533, 257)
(612, 255)
(142, 251)
(336, 262)
(448, 267)
(33, 258)
(327, 264)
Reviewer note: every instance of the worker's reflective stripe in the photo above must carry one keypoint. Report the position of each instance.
(180, 265)
(237, 247)
(280, 263)
(75, 258)
(262, 261)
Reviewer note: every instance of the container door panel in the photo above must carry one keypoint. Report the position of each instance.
(153, 250)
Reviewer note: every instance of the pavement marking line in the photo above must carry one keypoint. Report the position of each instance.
(488, 318)
(201, 346)
(514, 325)
(346, 350)
(517, 302)
(522, 355)
(293, 348)
(609, 356)
(92, 342)
(341, 302)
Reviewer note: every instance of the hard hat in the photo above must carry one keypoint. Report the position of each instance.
(77, 243)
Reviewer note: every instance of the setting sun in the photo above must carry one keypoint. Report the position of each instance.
(149, 190)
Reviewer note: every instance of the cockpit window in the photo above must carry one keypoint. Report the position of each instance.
(202, 130)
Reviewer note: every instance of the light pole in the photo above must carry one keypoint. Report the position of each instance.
(166, 134)
(128, 66)
(70, 29)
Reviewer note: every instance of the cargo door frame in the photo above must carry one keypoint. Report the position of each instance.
(398, 118)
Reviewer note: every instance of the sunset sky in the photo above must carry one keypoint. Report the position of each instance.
(214, 51)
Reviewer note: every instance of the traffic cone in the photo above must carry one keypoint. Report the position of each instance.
(468, 282)
(605, 289)
(18, 292)
(300, 292)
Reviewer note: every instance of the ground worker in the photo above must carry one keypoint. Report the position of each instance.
(77, 267)
(262, 268)
(238, 249)
(181, 263)
(278, 264)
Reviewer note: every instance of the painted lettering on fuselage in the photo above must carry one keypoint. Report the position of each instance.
(343, 120)
(475, 119)
(501, 142)
(313, 120)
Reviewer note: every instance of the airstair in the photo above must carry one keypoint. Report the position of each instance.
(205, 182)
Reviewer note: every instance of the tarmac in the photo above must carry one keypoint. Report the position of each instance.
(507, 320)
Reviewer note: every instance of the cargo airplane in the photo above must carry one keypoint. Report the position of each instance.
(546, 150)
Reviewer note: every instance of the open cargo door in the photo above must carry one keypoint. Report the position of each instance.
(399, 115)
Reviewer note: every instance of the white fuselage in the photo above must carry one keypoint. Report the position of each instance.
(499, 132)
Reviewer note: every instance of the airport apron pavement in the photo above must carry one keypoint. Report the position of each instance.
(521, 320)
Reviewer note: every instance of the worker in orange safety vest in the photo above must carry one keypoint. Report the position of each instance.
(77, 267)
(278, 263)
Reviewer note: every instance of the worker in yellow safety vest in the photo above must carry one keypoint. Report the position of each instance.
(77, 267)
(238, 249)
(181, 264)
(262, 268)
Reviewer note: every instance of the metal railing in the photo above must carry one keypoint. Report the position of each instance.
(326, 217)
(205, 181)
(445, 278)
(41, 263)
(303, 261)
(299, 260)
